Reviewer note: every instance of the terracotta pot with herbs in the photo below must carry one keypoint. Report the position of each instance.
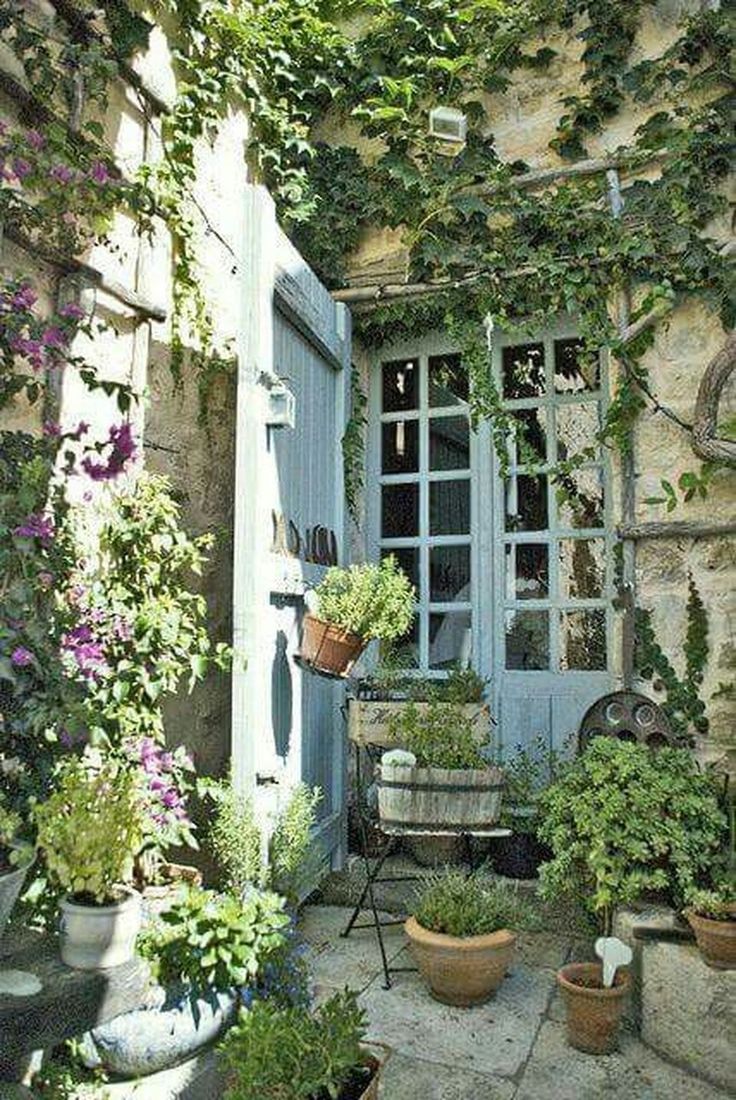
(462, 935)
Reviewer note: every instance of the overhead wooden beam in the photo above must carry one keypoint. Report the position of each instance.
(538, 177)
(676, 529)
(67, 265)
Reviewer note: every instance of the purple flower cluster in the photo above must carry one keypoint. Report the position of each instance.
(38, 527)
(86, 651)
(21, 657)
(123, 450)
(162, 771)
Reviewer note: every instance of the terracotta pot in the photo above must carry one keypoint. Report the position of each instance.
(461, 971)
(327, 648)
(716, 939)
(593, 1013)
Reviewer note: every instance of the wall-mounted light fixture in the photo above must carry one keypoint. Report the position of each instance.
(280, 401)
(449, 125)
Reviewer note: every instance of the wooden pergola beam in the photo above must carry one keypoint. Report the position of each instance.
(676, 529)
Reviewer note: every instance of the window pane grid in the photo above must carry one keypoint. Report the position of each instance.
(550, 630)
(440, 485)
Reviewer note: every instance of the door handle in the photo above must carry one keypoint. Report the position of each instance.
(266, 779)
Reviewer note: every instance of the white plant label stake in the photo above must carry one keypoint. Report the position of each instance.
(613, 954)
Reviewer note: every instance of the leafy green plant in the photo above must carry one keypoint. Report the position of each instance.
(211, 941)
(390, 681)
(527, 773)
(623, 820)
(455, 904)
(717, 904)
(237, 841)
(291, 850)
(92, 827)
(277, 1054)
(10, 823)
(373, 601)
(441, 735)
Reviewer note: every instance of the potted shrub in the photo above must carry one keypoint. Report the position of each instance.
(353, 607)
(623, 820)
(90, 830)
(712, 916)
(15, 860)
(291, 1054)
(202, 951)
(450, 785)
(462, 937)
(527, 773)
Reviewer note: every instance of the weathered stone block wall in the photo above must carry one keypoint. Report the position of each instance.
(197, 454)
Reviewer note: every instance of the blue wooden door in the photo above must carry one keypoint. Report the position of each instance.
(289, 527)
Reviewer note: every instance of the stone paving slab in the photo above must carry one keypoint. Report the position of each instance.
(335, 962)
(407, 1078)
(557, 1072)
(493, 1039)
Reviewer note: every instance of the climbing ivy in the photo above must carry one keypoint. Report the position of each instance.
(682, 704)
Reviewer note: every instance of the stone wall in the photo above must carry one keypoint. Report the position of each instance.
(197, 455)
(523, 120)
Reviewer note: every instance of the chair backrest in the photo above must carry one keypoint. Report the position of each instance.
(369, 722)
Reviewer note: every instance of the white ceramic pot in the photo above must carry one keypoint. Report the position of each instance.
(95, 937)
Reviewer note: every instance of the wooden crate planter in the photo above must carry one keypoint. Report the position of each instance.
(432, 799)
(369, 721)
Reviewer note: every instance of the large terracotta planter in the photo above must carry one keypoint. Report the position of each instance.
(327, 649)
(593, 1012)
(461, 971)
(716, 939)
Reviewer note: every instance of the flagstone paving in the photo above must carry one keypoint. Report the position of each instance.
(513, 1048)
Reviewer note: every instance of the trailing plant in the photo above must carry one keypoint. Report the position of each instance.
(91, 827)
(209, 941)
(623, 820)
(353, 445)
(440, 735)
(373, 601)
(682, 704)
(390, 681)
(455, 904)
(292, 1054)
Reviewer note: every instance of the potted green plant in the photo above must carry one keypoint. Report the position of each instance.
(90, 829)
(203, 951)
(351, 607)
(450, 784)
(291, 1054)
(462, 936)
(712, 916)
(623, 820)
(15, 860)
(528, 771)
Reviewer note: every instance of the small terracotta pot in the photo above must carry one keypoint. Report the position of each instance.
(327, 648)
(593, 1012)
(716, 939)
(461, 971)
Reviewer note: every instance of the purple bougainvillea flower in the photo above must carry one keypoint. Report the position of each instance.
(62, 173)
(72, 311)
(81, 429)
(66, 739)
(24, 297)
(20, 657)
(99, 173)
(121, 440)
(55, 337)
(52, 429)
(36, 527)
(21, 168)
(171, 798)
(35, 139)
